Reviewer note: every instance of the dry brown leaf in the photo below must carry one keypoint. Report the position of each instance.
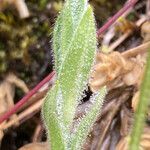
(115, 70)
(7, 91)
(145, 31)
(144, 143)
(107, 68)
(134, 77)
(135, 100)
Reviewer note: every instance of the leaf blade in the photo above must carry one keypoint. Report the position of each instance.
(76, 67)
(86, 123)
(57, 133)
(66, 23)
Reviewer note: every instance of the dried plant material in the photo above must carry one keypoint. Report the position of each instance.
(123, 144)
(20, 6)
(26, 113)
(126, 121)
(7, 91)
(35, 146)
(37, 136)
(117, 42)
(123, 25)
(135, 100)
(133, 52)
(145, 31)
(134, 77)
(107, 39)
(107, 68)
(144, 143)
(126, 34)
(106, 122)
(148, 9)
(116, 69)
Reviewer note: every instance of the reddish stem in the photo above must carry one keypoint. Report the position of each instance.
(13, 110)
(128, 5)
(26, 98)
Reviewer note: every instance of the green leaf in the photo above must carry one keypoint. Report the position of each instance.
(56, 43)
(65, 26)
(74, 71)
(51, 112)
(87, 121)
(77, 7)
(74, 44)
(63, 31)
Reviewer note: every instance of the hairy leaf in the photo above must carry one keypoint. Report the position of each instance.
(74, 52)
(56, 130)
(65, 26)
(75, 68)
(74, 44)
(87, 121)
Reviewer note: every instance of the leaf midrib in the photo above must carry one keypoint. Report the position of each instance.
(72, 40)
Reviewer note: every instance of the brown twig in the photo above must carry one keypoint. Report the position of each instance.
(119, 40)
(26, 98)
(33, 99)
(22, 8)
(125, 35)
(137, 50)
(128, 5)
(37, 133)
(122, 99)
(35, 107)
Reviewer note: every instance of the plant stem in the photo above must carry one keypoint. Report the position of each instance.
(128, 5)
(26, 98)
(140, 114)
(13, 110)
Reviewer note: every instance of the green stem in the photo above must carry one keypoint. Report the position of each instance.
(140, 114)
